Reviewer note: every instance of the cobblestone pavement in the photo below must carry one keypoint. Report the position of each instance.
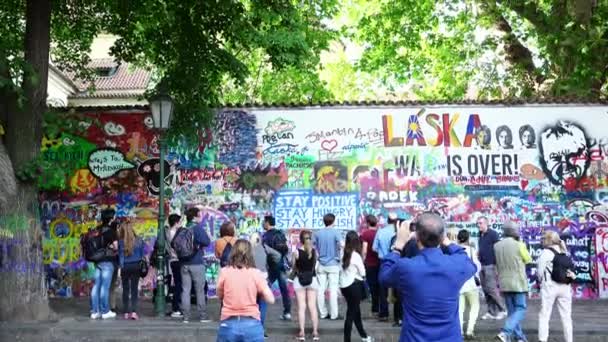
(72, 324)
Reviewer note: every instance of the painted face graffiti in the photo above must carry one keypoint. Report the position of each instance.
(565, 153)
(150, 171)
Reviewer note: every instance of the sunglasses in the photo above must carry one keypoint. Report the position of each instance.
(307, 238)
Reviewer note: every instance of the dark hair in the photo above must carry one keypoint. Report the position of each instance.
(371, 220)
(303, 235)
(107, 215)
(430, 230)
(463, 236)
(174, 219)
(486, 130)
(413, 226)
(528, 128)
(241, 255)
(505, 128)
(270, 220)
(352, 243)
(329, 219)
(227, 229)
(391, 220)
(191, 213)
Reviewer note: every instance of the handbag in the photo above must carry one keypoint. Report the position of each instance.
(305, 278)
(143, 268)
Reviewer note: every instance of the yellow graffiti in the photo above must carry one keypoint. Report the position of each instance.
(328, 180)
(61, 221)
(61, 251)
(83, 182)
(146, 228)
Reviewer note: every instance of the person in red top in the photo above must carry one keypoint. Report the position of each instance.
(371, 261)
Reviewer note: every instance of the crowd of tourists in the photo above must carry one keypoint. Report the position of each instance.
(432, 278)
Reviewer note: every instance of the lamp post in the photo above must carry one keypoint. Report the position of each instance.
(161, 107)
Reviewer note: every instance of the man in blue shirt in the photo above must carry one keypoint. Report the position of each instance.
(193, 270)
(382, 246)
(328, 242)
(429, 283)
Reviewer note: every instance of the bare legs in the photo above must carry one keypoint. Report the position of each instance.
(311, 299)
(307, 298)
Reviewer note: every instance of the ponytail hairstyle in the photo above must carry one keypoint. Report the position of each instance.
(352, 244)
(306, 241)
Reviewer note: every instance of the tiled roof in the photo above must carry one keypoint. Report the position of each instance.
(507, 102)
(126, 81)
(410, 103)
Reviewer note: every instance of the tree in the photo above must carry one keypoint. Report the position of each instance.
(192, 46)
(451, 49)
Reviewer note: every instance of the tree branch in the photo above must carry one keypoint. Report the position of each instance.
(25, 134)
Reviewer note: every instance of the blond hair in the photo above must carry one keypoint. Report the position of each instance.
(127, 234)
(551, 238)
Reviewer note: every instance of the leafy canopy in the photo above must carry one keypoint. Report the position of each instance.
(492, 49)
(193, 46)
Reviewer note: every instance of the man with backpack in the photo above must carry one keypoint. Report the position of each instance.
(100, 246)
(275, 239)
(555, 273)
(511, 259)
(188, 244)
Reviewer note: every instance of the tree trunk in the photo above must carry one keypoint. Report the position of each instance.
(22, 284)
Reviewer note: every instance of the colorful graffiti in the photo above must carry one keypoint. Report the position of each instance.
(543, 167)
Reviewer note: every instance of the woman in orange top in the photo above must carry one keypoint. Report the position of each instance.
(238, 287)
(227, 236)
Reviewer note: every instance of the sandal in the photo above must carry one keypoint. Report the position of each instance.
(301, 337)
(315, 337)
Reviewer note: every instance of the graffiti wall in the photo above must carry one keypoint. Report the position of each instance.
(544, 167)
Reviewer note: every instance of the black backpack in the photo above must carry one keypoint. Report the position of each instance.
(94, 248)
(183, 244)
(225, 255)
(561, 265)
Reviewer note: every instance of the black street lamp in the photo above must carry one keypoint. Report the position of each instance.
(161, 107)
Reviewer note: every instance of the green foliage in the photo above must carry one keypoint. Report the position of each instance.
(443, 49)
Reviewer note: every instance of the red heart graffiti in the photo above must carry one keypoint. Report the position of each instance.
(329, 145)
(524, 184)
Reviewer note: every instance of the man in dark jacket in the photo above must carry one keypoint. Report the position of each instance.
(276, 240)
(193, 270)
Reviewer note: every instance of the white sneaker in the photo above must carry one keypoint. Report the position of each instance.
(108, 315)
(368, 339)
(503, 337)
(488, 315)
(95, 315)
(286, 317)
(177, 314)
(501, 315)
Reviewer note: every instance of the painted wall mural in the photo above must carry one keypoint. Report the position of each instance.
(544, 167)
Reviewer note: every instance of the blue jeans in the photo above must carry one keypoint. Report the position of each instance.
(100, 295)
(516, 310)
(263, 307)
(240, 329)
(281, 277)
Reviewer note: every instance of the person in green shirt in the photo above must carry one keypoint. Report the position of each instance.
(511, 259)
